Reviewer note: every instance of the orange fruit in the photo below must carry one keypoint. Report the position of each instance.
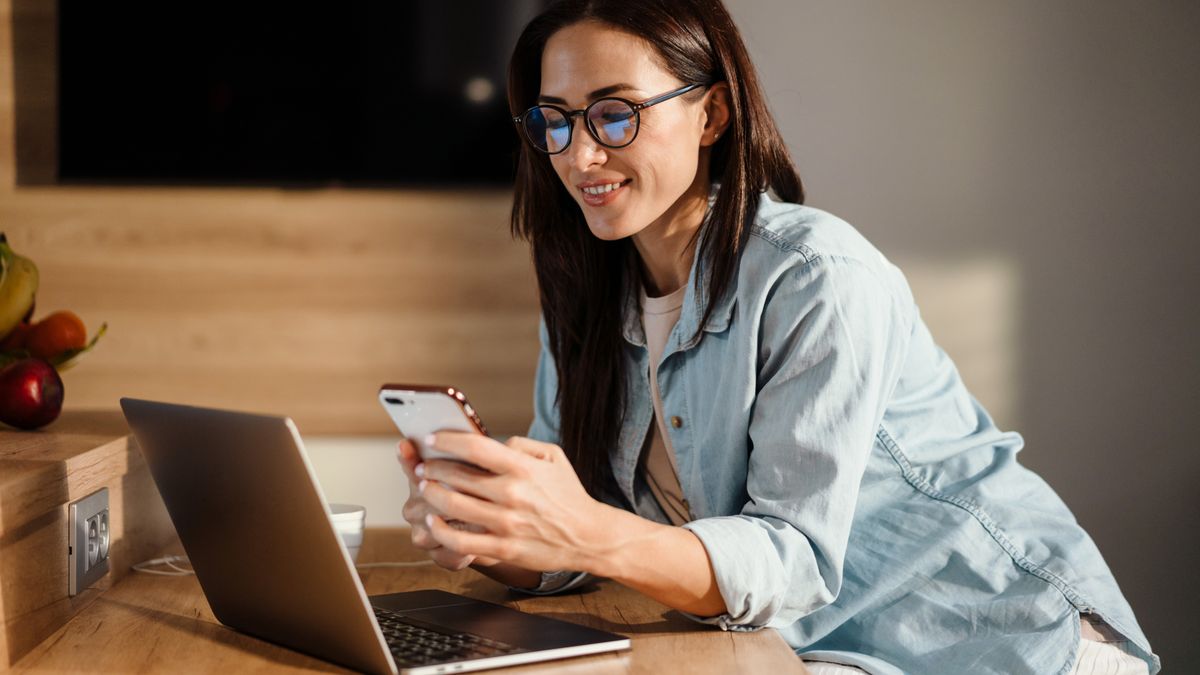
(56, 334)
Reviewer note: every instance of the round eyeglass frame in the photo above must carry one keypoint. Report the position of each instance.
(637, 108)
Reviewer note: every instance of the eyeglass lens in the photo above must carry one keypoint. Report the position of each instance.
(611, 121)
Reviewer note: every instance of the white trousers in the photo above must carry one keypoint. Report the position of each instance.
(1101, 652)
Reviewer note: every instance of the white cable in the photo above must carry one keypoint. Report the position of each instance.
(173, 562)
(170, 561)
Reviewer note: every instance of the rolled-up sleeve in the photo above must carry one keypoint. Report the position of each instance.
(833, 336)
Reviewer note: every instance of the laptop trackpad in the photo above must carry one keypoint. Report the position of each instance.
(511, 626)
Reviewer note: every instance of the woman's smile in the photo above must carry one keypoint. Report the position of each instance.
(602, 192)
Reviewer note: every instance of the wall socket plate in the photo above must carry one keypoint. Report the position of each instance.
(87, 541)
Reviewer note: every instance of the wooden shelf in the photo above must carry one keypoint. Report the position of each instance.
(43, 471)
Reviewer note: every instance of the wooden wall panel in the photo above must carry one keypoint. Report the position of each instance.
(7, 106)
(34, 44)
(292, 302)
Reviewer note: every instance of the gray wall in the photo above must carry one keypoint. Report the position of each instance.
(1062, 138)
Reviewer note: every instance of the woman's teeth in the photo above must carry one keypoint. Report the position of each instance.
(601, 189)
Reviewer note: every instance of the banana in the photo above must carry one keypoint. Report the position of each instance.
(18, 285)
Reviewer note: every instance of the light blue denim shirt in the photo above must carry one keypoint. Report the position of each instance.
(848, 489)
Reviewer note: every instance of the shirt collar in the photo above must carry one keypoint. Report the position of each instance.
(693, 302)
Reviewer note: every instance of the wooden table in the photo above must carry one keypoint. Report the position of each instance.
(147, 623)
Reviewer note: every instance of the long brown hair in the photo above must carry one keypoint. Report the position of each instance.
(582, 280)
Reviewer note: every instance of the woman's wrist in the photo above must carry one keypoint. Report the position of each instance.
(669, 564)
(612, 539)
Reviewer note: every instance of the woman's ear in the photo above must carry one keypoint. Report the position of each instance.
(718, 110)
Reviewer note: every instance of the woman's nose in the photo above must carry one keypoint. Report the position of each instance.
(584, 151)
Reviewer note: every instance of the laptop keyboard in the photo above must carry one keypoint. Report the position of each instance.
(416, 643)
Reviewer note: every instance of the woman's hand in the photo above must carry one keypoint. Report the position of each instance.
(528, 499)
(415, 510)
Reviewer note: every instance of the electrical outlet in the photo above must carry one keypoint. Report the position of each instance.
(87, 541)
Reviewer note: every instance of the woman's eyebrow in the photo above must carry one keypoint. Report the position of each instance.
(603, 91)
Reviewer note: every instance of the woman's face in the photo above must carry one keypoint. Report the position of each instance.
(589, 60)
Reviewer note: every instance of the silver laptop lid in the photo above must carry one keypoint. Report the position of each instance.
(256, 527)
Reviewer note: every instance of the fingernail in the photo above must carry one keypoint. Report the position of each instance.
(421, 486)
(428, 520)
(429, 440)
(419, 470)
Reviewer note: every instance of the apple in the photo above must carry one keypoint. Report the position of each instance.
(31, 393)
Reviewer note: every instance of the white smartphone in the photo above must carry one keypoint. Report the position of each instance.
(419, 409)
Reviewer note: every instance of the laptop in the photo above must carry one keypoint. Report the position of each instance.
(256, 528)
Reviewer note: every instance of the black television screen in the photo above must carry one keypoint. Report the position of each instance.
(408, 92)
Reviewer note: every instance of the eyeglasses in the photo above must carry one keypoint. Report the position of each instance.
(612, 121)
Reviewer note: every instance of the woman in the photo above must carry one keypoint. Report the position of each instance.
(738, 409)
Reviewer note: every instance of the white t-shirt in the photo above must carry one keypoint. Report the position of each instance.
(658, 459)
